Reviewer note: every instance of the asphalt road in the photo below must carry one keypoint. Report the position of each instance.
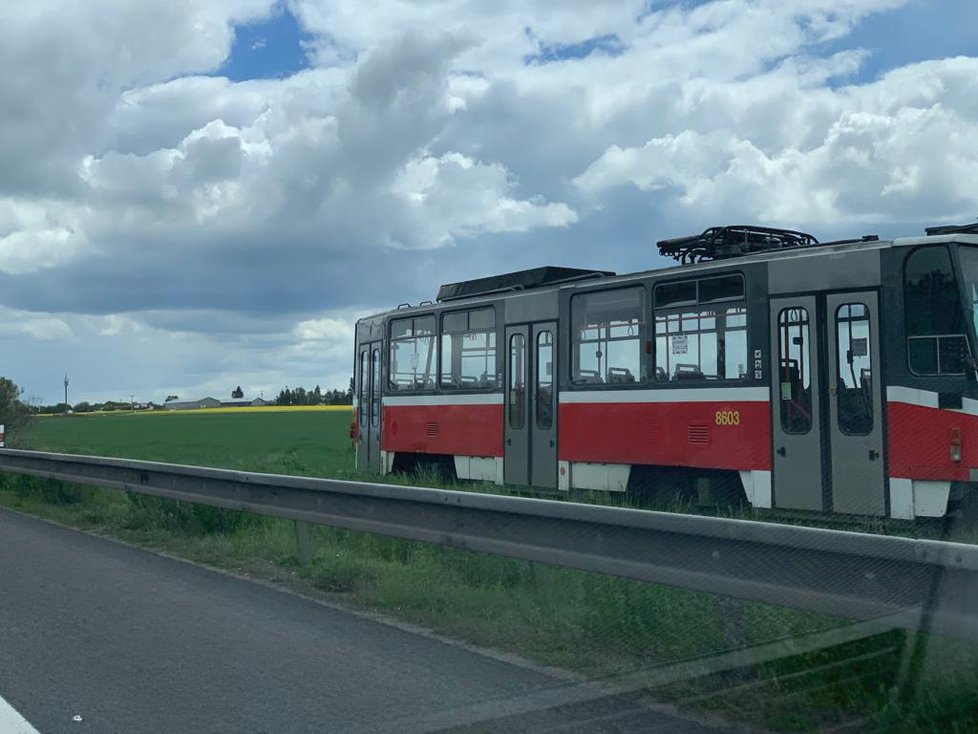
(133, 642)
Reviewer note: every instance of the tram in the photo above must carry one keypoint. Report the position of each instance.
(835, 377)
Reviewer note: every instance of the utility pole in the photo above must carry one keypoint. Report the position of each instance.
(67, 406)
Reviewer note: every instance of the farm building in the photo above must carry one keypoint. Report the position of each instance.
(192, 404)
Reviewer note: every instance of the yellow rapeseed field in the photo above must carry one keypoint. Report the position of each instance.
(243, 409)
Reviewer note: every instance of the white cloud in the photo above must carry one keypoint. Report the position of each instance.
(237, 228)
(897, 149)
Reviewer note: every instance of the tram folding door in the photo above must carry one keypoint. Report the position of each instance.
(855, 404)
(827, 398)
(530, 416)
(796, 417)
(368, 407)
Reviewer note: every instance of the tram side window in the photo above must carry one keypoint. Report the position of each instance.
(936, 328)
(362, 383)
(606, 336)
(413, 360)
(697, 338)
(794, 374)
(468, 350)
(854, 369)
(517, 381)
(545, 380)
(375, 388)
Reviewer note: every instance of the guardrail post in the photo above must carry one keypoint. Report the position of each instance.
(302, 542)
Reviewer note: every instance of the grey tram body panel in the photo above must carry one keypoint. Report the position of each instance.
(846, 268)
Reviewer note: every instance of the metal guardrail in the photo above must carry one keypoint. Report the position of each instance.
(915, 584)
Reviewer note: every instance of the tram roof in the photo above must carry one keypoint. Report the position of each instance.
(607, 278)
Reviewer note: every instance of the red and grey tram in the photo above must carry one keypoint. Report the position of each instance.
(831, 377)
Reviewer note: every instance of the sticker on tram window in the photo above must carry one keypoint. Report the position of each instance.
(680, 344)
(860, 347)
(728, 418)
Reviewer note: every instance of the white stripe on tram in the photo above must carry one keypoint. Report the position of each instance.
(687, 395)
(479, 399)
(927, 399)
(12, 722)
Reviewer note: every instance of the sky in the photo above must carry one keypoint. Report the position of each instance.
(201, 194)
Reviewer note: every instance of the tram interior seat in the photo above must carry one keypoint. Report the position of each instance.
(866, 382)
(620, 375)
(589, 377)
(790, 370)
(687, 372)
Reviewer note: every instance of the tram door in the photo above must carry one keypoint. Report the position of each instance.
(828, 442)
(368, 406)
(530, 415)
(796, 413)
(855, 404)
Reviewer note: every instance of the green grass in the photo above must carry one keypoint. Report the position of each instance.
(597, 625)
(307, 443)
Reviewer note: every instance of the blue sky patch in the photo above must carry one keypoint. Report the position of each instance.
(920, 31)
(270, 49)
(609, 45)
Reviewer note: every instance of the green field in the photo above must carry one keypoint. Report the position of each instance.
(597, 625)
(312, 443)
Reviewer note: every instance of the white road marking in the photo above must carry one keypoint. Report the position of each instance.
(13, 723)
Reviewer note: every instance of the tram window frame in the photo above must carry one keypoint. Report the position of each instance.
(543, 384)
(489, 380)
(855, 409)
(795, 395)
(517, 380)
(362, 385)
(640, 337)
(411, 336)
(924, 333)
(375, 380)
(719, 300)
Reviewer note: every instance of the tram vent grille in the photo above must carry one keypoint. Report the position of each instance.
(431, 429)
(698, 433)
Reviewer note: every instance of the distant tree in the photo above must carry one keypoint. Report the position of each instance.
(171, 397)
(15, 414)
(84, 407)
(316, 396)
(237, 393)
